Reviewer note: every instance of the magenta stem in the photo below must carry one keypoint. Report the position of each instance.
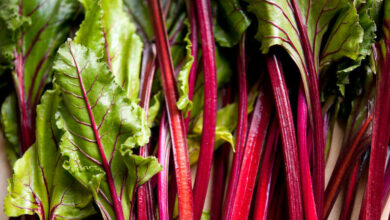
(209, 108)
(308, 196)
(162, 176)
(194, 54)
(263, 194)
(289, 143)
(240, 133)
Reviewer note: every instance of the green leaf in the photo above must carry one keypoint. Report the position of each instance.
(139, 10)
(109, 32)
(102, 125)
(178, 52)
(226, 123)
(141, 169)
(277, 26)
(90, 33)
(367, 22)
(35, 30)
(345, 37)
(155, 108)
(9, 116)
(230, 22)
(123, 46)
(40, 184)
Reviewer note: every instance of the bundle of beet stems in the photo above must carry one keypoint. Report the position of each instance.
(196, 109)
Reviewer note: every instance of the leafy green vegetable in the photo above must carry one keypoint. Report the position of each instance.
(35, 30)
(230, 22)
(110, 33)
(101, 126)
(40, 184)
(183, 102)
(10, 128)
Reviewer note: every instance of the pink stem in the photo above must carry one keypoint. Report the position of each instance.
(240, 133)
(289, 143)
(209, 108)
(162, 176)
(176, 122)
(263, 196)
(194, 54)
(308, 197)
(252, 154)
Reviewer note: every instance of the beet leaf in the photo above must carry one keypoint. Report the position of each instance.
(40, 185)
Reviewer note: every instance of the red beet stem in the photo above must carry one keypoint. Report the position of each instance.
(252, 154)
(380, 135)
(176, 122)
(162, 176)
(289, 143)
(194, 54)
(209, 108)
(308, 196)
(263, 196)
(240, 132)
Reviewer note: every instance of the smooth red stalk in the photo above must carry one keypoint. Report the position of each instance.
(162, 176)
(220, 168)
(351, 190)
(176, 122)
(252, 154)
(380, 135)
(308, 196)
(194, 54)
(343, 166)
(219, 176)
(240, 132)
(289, 143)
(209, 108)
(263, 196)
(315, 102)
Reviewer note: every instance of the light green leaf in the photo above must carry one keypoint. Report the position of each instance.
(155, 108)
(345, 37)
(230, 22)
(40, 185)
(90, 33)
(9, 127)
(141, 169)
(38, 28)
(277, 26)
(109, 32)
(367, 22)
(226, 123)
(100, 123)
(184, 103)
(123, 46)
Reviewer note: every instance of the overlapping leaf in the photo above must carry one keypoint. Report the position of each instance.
(230, 22)
(102, 126)
(10, 128)
(33, 31)
(109, 32)
(181, 55)
(277, 26)
(40, 184)
(226, 122)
